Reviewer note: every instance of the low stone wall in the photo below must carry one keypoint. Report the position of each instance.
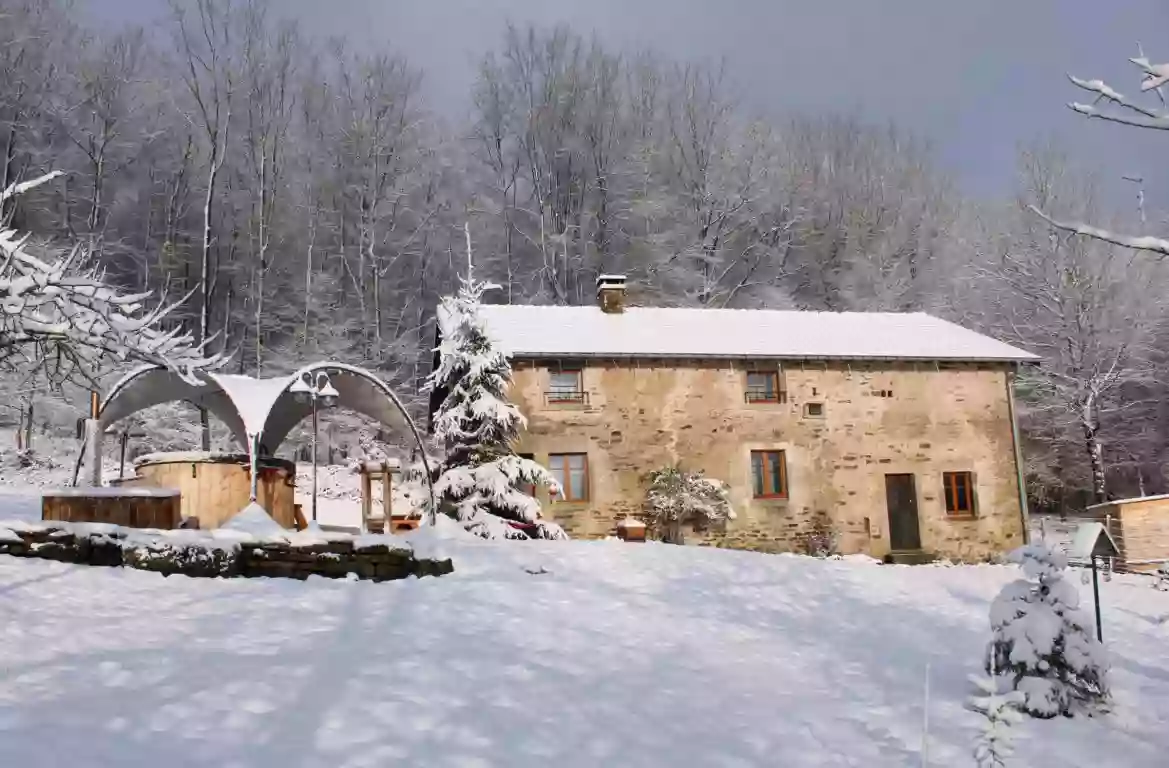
(363, 558)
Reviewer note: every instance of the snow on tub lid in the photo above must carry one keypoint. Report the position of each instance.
(209, 457)
(118, 491)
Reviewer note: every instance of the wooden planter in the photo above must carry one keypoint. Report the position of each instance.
(631, 530)
(404, 523)
(133, 507)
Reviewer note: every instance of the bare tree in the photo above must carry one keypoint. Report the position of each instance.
(209, 70)
(1086, 306)
(100, 108)
(33, 36)
(378, 121)
(268, 73)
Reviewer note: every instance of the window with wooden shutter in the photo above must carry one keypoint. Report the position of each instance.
(959, 492)
(769, 474)
(571, 470)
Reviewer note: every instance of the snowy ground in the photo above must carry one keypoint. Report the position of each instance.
(620, 654)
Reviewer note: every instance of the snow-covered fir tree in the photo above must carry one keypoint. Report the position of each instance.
(993, 745)
(480, 478)
(677, 497)
(1043, 644)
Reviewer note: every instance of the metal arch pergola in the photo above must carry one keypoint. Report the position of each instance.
(259, 412)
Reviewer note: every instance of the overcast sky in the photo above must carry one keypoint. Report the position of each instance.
(976, 77)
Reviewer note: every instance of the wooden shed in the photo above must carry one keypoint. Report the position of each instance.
(1140, 527)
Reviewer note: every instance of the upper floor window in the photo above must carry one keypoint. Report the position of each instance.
(959, 491)
(764, 387)
(566, 384)
(571, 470)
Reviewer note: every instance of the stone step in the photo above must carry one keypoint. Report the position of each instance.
(910, 557)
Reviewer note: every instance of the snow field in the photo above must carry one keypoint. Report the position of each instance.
(620, 654)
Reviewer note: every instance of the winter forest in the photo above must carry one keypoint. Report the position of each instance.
(312, 207)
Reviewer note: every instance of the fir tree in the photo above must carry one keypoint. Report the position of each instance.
(993, 746)
(1043, 643)
(480, 478)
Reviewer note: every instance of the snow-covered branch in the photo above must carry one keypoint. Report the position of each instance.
(25, 186)
(63, 309)
(1153, 244)
(1156, 75)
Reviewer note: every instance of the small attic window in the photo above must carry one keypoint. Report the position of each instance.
(566, 383)
(814, 409)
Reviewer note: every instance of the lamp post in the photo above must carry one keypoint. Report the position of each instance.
(315, 389)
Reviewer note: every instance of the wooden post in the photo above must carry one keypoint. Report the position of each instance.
(254, 464)
(366, 496)
(1096, 598)
(386, 498)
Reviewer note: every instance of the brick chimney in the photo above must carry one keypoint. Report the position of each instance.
(611, 293)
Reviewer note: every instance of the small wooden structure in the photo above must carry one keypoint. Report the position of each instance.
(1139, 527)
(132, 507)
(216, 486)
(382, 472)
(630, 529)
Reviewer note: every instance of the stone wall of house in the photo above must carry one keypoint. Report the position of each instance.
(878, 419)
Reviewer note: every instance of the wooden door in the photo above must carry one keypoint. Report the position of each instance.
(901, 497)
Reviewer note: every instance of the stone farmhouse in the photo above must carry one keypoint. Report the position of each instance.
(896, 432)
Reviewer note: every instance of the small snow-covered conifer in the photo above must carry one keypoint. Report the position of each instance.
(480, 479)
(1043, 644)
(993, 746)
(676, 497)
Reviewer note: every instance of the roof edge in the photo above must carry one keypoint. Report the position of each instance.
(1032, 360)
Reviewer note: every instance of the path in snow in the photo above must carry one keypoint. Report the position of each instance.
(622, 654)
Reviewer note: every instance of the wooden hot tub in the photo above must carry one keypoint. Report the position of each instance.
(216, 486)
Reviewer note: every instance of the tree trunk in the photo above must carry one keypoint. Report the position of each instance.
(205, 281)
(308, 273)
(28, 427)
(1095, 451)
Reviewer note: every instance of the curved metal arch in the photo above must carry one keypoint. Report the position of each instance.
(125, 381)
(381, 387)
(176, 389)
(214, 394)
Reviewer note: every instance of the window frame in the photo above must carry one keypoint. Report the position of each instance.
(808, 410)
(950, 487)
(773, 395)
(765, 467)
(566, 483)
(561, 395)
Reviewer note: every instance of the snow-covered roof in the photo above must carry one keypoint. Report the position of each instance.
(586, 331)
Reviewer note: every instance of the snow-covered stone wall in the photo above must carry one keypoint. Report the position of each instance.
(378, 558)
